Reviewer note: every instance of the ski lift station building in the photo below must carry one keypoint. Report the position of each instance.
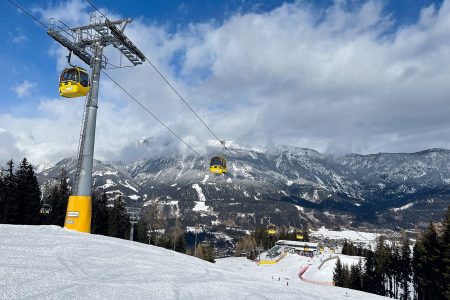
(297, 246)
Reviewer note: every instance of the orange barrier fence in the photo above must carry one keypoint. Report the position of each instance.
(303, 270)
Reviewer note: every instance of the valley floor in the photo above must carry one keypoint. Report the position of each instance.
(50, 262)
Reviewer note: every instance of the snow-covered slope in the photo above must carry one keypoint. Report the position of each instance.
(357, 237)
(38, 262)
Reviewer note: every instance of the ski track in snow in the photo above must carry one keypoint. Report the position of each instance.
(205, 179)
(130, 186)
(199, 190)
(199, 205)
(53, 263)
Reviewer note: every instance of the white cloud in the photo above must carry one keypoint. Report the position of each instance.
(8, 149)
(24, 89)
(342, 79)
(18, 37)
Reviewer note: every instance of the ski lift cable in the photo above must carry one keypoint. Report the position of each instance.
(115, 82)
(149, 112)
(27, 13)
(137, 101)
(170, 85)
(222, 142)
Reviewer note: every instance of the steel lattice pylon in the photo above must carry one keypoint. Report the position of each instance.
(87, 43)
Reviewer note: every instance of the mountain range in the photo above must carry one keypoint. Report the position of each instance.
(288, 186)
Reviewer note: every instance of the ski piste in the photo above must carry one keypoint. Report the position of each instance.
(50, 262)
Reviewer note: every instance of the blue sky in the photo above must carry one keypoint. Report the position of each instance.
(237, 58)
(24, 52)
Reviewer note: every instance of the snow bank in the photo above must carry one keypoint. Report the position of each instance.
(350, 235)
(325, 273)
(403, 207)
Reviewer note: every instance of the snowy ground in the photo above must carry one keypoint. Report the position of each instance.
(325, 273)
(354, 236)
(49, 262)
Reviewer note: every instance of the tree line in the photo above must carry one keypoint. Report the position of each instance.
(20, 195)
(390, 270)
(21, 200)
(247, 244)
(153, 229)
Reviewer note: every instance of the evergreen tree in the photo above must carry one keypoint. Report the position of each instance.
(405, 269)
(208, 253)
(419, 265)
(355, 276)
(370, 275)
(382, 257)
(100, 214)
(346, 279)
(11, 201)
(142, 231)
(180, 243)
(119, 223)
(58, 198)
(349, 249)
(2, 197)
(29, 194)
(444, 279)
(345, 248)
(338, 273)
(390, 273)
(431, 263)
(395, 270)
(426, 265)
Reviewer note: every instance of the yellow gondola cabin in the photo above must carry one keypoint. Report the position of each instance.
(299, 234)
(271, 229)
(218, 165)
(74, 82)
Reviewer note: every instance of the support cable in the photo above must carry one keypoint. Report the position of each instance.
(149, 112)
(170, 85)
(27, 13)
(115, 82)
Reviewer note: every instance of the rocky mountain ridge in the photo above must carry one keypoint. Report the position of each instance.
(289, 186)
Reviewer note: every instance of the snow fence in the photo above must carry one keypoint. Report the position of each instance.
(303, 270)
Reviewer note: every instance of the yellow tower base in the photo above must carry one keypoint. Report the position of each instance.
(78, 215)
